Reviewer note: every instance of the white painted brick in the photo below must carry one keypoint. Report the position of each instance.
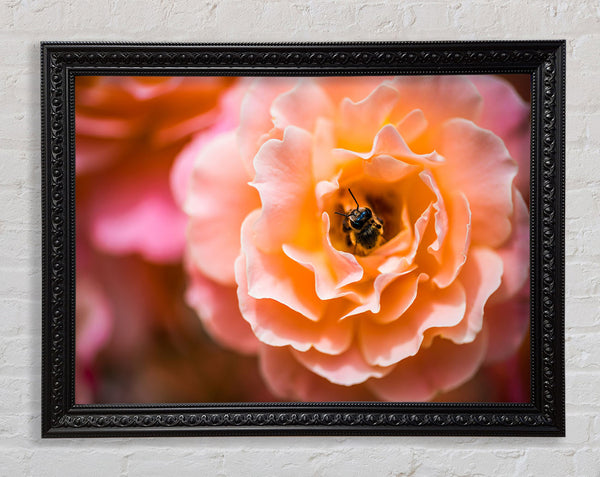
(328, 15)
(587, 462)
(15, 464)
(14, 390)
(584, 49)
(90, 15)
(144, 462)
(576, 128)
(327, 462)
(20, 205)
(585, 277)
(473, 462)
(547, 462)
(32, 16)
(270, 17)
(593, 128)
(384, 18)
(432, 17)
(582, 351)
(582, 389)
(582, 203)
(582, 89)
(581, 312)
(89, 462)
(20, 283)
(24, 23)
(578, 428)
(583, 166)
(17, 426)
(21, 317)
(17, 252)
(19, 355)
(479, 16)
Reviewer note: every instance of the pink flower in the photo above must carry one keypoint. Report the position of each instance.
(128, 132)
(276, 269)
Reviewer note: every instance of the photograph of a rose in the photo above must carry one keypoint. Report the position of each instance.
(226, 203)
(272, 271)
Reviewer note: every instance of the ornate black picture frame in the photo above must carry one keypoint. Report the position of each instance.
(543, 416)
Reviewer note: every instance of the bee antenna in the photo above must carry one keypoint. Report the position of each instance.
(343, 215)
(357, 206)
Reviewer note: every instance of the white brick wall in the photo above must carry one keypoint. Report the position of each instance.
(24, 23)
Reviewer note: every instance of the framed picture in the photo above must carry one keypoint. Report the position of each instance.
(350, 238)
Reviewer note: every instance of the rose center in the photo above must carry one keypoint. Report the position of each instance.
(361, 226)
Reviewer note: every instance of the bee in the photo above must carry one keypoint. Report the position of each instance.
(363, 229)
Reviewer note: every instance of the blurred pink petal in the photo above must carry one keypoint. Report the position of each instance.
(137, 214)
(515, 253)
(287, 377)
(217, 307)
(507, 116)
(507, 323)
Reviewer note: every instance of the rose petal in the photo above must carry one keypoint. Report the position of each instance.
(368, 292)
(182, 170)
(442, 366)
(275, 276)
(394, 248)
(284, 182)
(507, 323)
(217, 307)
(507, 115)
(346, 369)
(389, 142)
(398, 296)
(440, 216)
(412, 125)
(480, 277)
(275, 324)
(333, 269)
(456, 247)
(324, 169)
(515, 252)
(216, 212)
(255, 116)
(287, 378)
(387, 344)
(388, 169)
(315, 104)
(359, 122)
(478, 164)
(439, 97)
(354, 88)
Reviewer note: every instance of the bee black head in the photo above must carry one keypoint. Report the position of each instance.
(359, 217)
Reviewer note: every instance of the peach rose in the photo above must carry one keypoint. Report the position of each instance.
(281, 263)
